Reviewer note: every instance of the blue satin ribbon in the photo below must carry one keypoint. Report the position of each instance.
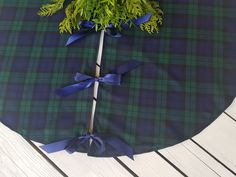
(71, 145)
(86, 27)
(85, 81)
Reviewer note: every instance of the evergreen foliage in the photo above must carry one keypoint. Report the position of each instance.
(103, 13)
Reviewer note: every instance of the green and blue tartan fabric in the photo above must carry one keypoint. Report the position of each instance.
(186, 79)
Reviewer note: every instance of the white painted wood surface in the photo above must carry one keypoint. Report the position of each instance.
(206, 159)
(231, 110)
(220, 140)
(150, 164)
(187, 162)
(79, 164)
(18, 158)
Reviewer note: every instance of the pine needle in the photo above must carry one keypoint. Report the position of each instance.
(104, 12)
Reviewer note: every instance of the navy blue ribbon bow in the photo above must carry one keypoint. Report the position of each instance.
(85, 81)
(86, 27)
(71, 145)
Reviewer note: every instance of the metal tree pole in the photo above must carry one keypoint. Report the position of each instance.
(96, 84)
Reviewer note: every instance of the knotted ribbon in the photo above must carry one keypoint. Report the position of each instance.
(87, 27)
(71, 145)
(85, 81)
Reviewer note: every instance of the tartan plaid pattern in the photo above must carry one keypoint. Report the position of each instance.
(34, 63)
(185, 81)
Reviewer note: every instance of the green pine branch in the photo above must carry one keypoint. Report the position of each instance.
(52, 8)
(104, 12)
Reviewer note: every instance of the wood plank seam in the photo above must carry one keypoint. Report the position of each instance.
(126, 167)
(46, 158)
(200, 160)
(231, 117)
(225, 166)
(169, 162)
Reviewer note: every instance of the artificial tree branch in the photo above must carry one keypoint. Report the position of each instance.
(104, 13)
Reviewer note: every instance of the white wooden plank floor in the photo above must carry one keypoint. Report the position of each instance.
(18, 158)
(210, 153)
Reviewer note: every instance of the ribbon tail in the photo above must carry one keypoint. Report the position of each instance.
(74, 37)
(121, 147)
(142, 19)
(112, 79)
(68, 90)
(55, 147)
(127, 67)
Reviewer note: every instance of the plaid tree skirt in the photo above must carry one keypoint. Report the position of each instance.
(186, 78)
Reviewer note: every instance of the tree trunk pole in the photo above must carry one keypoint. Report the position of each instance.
(96, 84)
